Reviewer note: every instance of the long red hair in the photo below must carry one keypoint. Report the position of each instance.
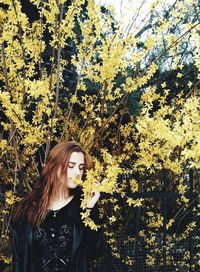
(34, 206)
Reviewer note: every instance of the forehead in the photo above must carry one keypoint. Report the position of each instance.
(77, 157)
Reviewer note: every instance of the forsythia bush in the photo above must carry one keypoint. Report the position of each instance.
(72, 73)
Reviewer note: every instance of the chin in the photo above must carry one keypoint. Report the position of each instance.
(72, 185)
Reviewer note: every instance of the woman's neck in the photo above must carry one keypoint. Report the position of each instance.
(60, 202)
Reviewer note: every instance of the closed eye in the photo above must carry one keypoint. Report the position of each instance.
(72, 164)
(82, 167)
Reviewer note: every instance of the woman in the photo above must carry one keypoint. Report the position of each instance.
(47, 232)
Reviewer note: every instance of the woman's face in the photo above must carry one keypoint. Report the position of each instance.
(75, 168)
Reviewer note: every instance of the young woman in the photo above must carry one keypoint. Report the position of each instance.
(47, 232)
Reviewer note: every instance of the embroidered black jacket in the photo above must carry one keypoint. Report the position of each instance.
(86, 243)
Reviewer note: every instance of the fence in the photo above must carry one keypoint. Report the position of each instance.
(183, 255)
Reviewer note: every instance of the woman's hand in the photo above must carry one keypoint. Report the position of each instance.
(94, 197)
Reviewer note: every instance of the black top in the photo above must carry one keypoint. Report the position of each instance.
(52, 241)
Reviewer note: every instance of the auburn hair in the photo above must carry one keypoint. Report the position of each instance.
(34, 206)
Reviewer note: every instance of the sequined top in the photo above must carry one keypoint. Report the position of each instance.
(52, 241)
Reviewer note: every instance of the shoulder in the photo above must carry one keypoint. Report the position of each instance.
(21, 230)
(20, 225)
(21, 221)
(74, 210)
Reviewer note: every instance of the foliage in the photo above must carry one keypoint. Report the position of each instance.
(131, 120)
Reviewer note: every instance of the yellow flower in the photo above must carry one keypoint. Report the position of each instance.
(135, 202)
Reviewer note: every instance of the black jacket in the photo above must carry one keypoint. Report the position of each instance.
(86, 244)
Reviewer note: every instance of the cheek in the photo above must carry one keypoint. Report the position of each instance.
(69, 173)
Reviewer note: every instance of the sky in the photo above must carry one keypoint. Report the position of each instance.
(126, 11)
(123, 8)
(126, 8)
